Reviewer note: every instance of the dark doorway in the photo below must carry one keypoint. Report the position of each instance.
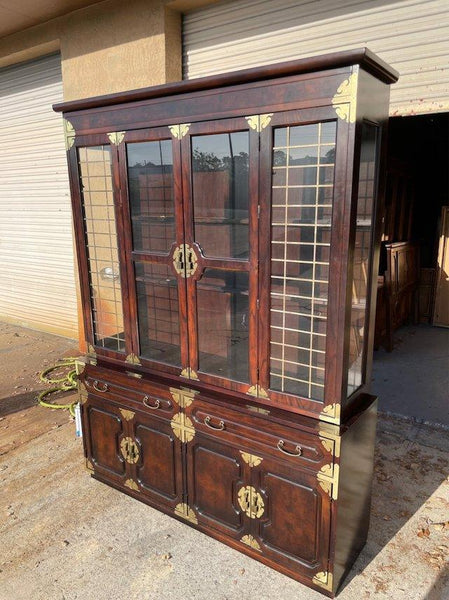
(411, 360)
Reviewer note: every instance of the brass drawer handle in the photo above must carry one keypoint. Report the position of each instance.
(218, 427)
(297, 452)
(100, 389)
(154, 406)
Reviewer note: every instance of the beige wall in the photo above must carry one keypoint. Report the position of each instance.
(108, 47)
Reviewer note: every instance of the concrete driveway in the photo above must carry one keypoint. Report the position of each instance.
(65, 536)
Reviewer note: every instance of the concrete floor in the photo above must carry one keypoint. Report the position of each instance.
(413, 380)
(65, 536)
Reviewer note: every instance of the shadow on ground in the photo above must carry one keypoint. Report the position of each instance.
(410, 509)
(14, 404)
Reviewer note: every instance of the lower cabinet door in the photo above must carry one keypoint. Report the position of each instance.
(215, 474)
(292, 527)
(157, 474)
(104, 435)
(134, 450)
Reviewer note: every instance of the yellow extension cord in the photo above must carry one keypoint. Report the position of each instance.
(64, 384)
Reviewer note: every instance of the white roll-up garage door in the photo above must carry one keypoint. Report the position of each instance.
(37, 281)
(411, 35)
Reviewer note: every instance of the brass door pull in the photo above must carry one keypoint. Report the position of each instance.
(297, 452)
(154, 406)
(185, 260)
(129, 450)
(218, 427)
(100, 389)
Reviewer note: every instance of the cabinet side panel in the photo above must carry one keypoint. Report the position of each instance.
(372, 110)
(354, 494)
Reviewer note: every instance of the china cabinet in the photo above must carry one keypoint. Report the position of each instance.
(227, 250)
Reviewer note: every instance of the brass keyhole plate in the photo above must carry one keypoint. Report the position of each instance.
(129, 450)
(251, 502)
(185, 260)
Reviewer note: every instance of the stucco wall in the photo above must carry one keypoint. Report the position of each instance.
(105, 48)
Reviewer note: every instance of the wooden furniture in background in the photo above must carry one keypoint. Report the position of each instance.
(426, 290)
(399, 202)
(397, 298)
(228, 258)
(441, 309)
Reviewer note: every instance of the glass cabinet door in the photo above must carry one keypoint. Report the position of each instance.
(297, 218)
(302, 189)
(220, 210)
(361, 265)
(98, 216)
(155, 212)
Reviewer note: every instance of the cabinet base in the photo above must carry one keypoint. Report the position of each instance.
(240, 546)
(293, 496)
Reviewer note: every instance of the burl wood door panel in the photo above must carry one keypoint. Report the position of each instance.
(216, 472)
(104, 429)
(294, 529)
(158, 472)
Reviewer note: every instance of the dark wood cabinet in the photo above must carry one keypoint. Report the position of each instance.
(216, 472)
(295, 527)
(104, 427)
(227, 248)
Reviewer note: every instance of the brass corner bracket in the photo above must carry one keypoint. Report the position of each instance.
(132, 485)
(128, 415)
(250, 541)
(257, 391)
(189, 373)
(69, 134)
(179, 131)
(80, 365)
(116, 137)
(251, 459)
(185, 512)
(183, 397)
(82, 392)
(91, 354)
(259, 122)
(324, 579)
(345, 99)
(331, 413)
(132, 359)
(327, 444)
(328, 478)
(330, 440)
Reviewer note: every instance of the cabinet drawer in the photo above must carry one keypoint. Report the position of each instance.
(140, 395)
(301, 448)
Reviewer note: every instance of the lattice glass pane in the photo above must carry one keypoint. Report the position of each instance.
(101, 239)
(220, 178)
(362, 256)
(223, 337)
(158, 313)
(301, 213)
(150, 175)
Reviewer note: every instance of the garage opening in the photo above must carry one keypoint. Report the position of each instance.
(411, 357)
